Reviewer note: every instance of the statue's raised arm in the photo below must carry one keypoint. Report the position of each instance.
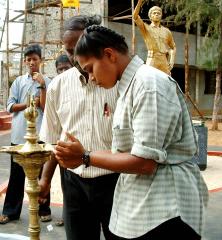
(137, 9)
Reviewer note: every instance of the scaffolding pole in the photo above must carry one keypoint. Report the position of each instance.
(23, 38)
(3, 29)
(7, 50)
(61, 23)
(42, 69)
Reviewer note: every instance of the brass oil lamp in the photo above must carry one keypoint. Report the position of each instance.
(31, 156)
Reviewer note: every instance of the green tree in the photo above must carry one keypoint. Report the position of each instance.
(202, 11)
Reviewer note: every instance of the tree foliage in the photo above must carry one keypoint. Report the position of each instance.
(210, 12)
(202, 11)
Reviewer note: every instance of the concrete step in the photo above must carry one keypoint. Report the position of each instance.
(5, 120)
(3, 113)
(5, 126)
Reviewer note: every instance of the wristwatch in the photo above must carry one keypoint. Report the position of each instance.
(42, 86)
(86, 158)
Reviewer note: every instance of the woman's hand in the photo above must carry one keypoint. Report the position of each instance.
(69, 154)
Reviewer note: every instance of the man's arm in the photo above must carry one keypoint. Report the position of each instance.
(49, 133)
(42, 98)
(17, 107)
(46, 177)
(13, 104)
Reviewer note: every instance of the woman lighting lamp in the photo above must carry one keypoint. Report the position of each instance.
(160, 189)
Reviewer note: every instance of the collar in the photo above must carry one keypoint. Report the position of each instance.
(81, 77)
(128, 74)
(28, 75)
(82, 80)
(154, 26)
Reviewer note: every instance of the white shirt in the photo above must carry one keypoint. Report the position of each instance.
(78, 108)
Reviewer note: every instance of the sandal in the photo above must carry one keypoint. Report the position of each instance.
(46, 218)
(59, 222)
(4, 219)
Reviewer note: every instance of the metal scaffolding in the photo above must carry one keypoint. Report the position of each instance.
(8, 64)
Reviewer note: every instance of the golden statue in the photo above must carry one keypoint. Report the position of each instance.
(158, 39)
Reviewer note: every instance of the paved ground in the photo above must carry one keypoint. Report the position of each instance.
(212, 176)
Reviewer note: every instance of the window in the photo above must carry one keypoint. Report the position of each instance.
(179, 76)
(210, 82)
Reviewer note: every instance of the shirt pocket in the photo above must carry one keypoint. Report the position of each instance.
(105, 126)
(122, 139)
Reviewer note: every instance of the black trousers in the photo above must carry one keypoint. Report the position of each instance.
(173, 229)
(87, 205)
(15, 194)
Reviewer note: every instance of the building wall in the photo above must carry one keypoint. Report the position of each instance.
(205, 100)
(35, 32)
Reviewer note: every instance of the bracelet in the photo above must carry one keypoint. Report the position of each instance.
(42, 87)
(86, 158)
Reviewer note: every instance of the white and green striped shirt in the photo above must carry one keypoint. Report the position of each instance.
(152, 121)
(78, 108)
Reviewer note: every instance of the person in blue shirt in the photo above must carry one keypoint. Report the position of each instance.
(32, 83)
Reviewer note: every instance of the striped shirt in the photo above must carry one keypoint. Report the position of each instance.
(22, 87)
(84, 110)
(152, 121)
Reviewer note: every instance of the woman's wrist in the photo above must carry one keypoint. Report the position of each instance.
(42, 86)
(86, 158)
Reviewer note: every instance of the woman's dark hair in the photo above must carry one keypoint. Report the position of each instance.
(81, 22)
(34, 48)
(95, 38)
(63, 58)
